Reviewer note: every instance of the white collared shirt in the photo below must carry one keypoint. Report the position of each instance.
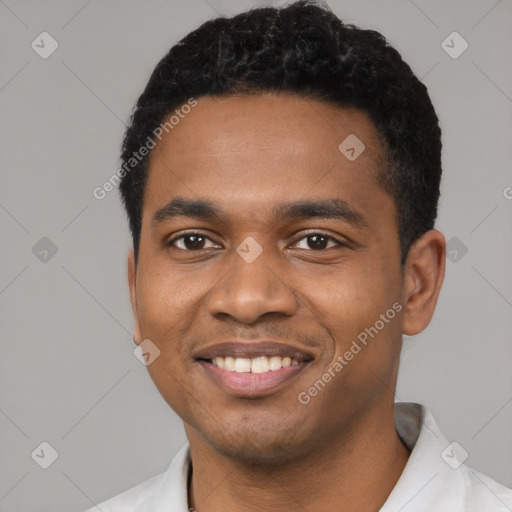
(434, 479)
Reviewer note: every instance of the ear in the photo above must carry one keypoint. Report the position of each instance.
(132, 275)
(423, 278)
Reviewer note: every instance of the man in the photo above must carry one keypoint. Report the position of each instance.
(281, 177)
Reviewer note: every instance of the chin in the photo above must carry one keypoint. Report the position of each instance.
(257, 447)
(258, 455)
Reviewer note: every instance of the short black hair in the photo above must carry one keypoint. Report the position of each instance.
(305, 49)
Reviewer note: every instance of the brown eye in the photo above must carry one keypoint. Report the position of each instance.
(190, 241)
(318, 242)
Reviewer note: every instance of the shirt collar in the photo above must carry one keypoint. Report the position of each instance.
(172, 494)
(427, 475)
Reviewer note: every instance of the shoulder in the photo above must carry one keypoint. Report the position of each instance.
(437, 469)
(135, 499)
(484, 493)
(165, 491)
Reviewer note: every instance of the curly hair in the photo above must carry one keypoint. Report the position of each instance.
(304, 49)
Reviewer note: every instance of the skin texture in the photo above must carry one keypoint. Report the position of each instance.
(248, 154)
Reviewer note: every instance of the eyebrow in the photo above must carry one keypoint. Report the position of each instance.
(325, 208)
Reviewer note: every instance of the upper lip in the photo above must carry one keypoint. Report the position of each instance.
(253, 349)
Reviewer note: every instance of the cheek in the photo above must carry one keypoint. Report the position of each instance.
(345, 299)
(350, 304)
(165, 301)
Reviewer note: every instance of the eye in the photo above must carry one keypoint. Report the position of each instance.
(318, 241)
(195, 241)
(191, 242)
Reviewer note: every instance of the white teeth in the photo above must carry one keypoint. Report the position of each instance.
(242, 365)
(229, 363)
(275, 363)
(260, 364)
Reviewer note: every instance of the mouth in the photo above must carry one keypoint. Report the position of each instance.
(261, 364)
(255, 369)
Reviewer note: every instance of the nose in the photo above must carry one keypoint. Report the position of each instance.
(250, 290)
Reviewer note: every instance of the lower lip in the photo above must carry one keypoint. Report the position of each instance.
(250, 384)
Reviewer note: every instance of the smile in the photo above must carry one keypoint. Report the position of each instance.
(262, 364)
(252, 368)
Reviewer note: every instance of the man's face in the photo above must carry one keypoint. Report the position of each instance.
(251, 276)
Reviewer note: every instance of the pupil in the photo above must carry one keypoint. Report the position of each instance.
(194, 245)
(319, 243)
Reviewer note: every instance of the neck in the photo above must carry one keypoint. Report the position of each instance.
(358, 471)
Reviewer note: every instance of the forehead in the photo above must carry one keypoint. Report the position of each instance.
(259, 150)
(274, 122)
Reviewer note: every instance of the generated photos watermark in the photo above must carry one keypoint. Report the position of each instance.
(356, 347)
(137, 156)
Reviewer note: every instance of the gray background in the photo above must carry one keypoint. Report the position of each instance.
(68, 375)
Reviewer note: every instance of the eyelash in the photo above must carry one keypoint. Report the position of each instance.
(170, 243)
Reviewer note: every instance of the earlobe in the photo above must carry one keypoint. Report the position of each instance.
(132, 279)
(424, 274)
